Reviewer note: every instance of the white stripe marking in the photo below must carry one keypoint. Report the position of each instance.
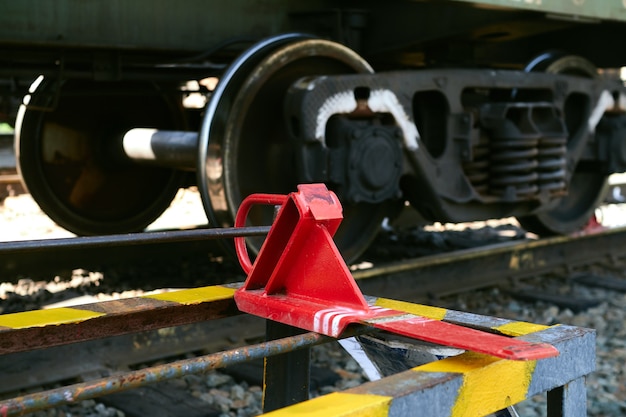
(330, 320)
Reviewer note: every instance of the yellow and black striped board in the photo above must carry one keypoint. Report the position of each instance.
(469, 384)
(55, 326)
(179, 307)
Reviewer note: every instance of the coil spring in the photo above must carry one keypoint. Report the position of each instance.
(513, 167)
(523, 156)
(477, 170)
(552, 162)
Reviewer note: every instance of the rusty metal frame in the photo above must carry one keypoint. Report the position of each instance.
(135, 379)
(46, 328)
(577, 347)
(439, 393)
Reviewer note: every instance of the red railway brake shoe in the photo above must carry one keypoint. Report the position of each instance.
(299, 278)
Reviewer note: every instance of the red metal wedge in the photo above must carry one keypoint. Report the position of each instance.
(299, 278)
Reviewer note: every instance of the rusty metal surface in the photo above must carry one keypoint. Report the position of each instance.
(436, 393)
(130, 380)
(96, 358)
(469, 269)
(575, 344)
(116, 317)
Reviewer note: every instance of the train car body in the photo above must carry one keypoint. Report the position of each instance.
(466, 109)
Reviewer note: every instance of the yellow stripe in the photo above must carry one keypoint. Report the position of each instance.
(436, 313)
(489, 384)
(40, 318)
(338, 404)
(519, 328)
(195, 295)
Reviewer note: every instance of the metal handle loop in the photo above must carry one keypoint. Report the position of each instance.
(240, 221)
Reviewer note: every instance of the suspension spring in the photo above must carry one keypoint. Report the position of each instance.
(521, 154)
(477, 169)
(552, 161)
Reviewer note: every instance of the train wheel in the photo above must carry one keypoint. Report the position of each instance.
(244, 143)
(587, 188)
(573, 211)
(66, 154)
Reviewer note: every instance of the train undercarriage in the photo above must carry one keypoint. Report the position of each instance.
(464, 110)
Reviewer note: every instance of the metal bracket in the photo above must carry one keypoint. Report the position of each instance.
(299, 278)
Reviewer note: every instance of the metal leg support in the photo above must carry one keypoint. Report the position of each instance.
(569, 400)
(286, 376)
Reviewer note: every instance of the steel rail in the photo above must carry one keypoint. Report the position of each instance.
(464, 270)
(420, 278)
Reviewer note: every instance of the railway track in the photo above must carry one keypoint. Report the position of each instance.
(104, 358)
(465, 270)
(429, 276)
(433, 278)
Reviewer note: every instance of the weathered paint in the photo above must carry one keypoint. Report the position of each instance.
(338, 404)
(475, 385)
(63, 315)
(578, 356)
(195, 295)
(489, 384)
(58, 326)
(436, 313)
(519, 328)
(51, 317)
(453, 386)
(309, 285)
(506, 327)
(453, 335)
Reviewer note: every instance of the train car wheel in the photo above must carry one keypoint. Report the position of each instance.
(66, 152)
(586, 188)
(573, 211)
(245, 146)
